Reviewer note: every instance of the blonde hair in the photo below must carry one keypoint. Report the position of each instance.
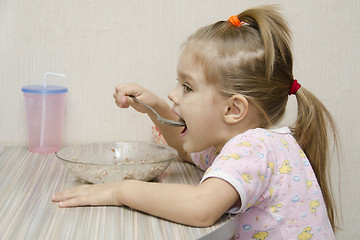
(255, 60)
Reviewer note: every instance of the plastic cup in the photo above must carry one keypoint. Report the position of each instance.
(45, 105)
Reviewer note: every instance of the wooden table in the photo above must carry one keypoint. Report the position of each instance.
(28, 180)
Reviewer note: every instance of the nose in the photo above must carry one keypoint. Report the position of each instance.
(172, 96)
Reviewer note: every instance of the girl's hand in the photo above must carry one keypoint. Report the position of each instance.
(123, 101)
(85, 195)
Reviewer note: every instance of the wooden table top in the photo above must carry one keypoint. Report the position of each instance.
(28, 180)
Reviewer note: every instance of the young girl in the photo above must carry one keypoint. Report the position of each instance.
(234, 80)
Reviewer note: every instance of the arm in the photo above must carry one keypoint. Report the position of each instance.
(171, 134)
(198, 205)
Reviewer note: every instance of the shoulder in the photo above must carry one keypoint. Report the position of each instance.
(251, 139)
(270, 138)
(248, 150)
(261, 134)
(244, 163)
(259, 143)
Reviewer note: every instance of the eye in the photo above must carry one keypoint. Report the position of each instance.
(187, 88)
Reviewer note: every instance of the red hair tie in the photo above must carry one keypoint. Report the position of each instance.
(235, 21)
(294, 87)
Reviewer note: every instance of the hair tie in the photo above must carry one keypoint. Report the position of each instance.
(235, 21)
(294, 87)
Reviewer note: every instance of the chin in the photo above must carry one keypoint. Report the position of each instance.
(188, 147)
(192, 148)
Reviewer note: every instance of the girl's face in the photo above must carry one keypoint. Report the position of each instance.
(199, 104)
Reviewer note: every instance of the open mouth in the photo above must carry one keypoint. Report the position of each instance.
(185, 128)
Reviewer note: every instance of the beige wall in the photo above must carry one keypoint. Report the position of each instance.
(99, 44)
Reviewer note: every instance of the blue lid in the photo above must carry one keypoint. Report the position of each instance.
(41, 89)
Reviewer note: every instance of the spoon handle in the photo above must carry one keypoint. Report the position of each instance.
(162, 120)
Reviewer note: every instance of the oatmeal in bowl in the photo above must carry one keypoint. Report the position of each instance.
(117, 161)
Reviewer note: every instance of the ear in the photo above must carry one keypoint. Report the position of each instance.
(236, 109)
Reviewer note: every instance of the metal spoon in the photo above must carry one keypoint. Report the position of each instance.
(162, 120)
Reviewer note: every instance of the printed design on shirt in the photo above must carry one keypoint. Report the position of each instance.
(207, 171)
(302, 154)
(305, 234)
(308, 184)
(261, 176)
(285, 168)
(296, 198)
(204, 161)
(279, 218)
(246, 177)
(260, 235)
(292, 225)
(275, 208)
(260, 155)
(245, 144)
(271, 191)
(231, 155)
(271, 166)
(285, 143)
(313, 205)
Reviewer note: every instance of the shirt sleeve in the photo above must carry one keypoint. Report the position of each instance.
(243, 163)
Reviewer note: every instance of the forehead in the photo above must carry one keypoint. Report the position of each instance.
(187, 57)
(200, 59)
(198, 52)
(189, 66)
(191, 69)
(197, 56)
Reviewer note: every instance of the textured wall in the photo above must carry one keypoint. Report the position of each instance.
(99, 44)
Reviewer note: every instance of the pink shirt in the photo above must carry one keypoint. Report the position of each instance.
(280, 196)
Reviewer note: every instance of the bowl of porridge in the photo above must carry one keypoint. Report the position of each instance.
(117, 161)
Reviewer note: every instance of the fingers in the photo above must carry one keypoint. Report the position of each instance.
(87, 195)
(60, 196)
(75, 202)
(122, 101)
(84, 195)
(123, 91)
(75, 196)
(120, 98)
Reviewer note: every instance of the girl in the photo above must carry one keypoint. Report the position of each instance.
(234, 79)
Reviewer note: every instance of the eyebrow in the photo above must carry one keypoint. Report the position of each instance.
(185, 76)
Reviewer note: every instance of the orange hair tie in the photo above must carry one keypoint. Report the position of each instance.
(235, 21)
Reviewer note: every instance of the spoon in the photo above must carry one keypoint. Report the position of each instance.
(162, 120)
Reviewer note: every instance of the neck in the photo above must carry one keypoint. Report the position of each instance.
(250, 121)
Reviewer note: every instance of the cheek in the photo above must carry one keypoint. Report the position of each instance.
(205, 123)
(199, 123)
(192, 114)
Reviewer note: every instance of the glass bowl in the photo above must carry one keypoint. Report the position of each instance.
(117, 161)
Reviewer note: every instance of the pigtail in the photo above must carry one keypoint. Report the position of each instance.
(311, 131)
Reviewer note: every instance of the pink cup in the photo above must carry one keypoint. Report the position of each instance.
(45, 107)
